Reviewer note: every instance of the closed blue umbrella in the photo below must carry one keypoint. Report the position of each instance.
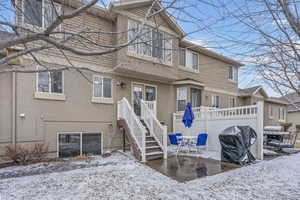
(188, 116)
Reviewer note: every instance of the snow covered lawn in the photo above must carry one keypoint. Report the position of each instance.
(119, 177)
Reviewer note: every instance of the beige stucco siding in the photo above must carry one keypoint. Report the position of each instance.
(44, 117)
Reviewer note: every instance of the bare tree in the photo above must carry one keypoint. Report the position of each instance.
(44, 33)
(264, 34)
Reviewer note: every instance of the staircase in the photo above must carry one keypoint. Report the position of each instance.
(153, 150)
(147, 137)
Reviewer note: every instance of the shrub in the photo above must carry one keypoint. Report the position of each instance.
(22, 154)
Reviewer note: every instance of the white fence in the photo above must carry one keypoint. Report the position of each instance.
(138, 131)
(214, 121)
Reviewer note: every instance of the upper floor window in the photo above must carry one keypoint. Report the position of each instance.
(102, 87)
(233, 73)
(40, 13)
(281, 114)
(270, 112)
(150, 42)
(50, 82)
(188, 59)
(181, 99)
(215, 101)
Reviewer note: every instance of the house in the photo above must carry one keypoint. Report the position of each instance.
(275, 109)
(293, 111)
(75, 116)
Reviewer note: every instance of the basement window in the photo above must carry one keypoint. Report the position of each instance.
(80, 143)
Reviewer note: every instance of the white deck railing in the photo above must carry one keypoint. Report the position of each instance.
(138, 131)
(151, 105)
(157, 130)
(214, 121)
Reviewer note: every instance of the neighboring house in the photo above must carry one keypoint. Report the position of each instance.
(294, 107)
(69, 113)
(275, 109)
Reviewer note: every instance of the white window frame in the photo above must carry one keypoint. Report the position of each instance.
(234, 71)
(37, 83)
(229, 102)
(281, 114)
(43, 15)
(81, 133)
(102, 77)
(271, 112)
(213, 97)
(186, 89)
(186, 60)
(137, 46)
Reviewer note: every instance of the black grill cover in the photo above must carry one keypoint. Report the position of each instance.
(236, 142)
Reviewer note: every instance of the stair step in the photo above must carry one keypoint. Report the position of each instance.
(154, 153)
(153, 147)
(150, 138)
(151, 141)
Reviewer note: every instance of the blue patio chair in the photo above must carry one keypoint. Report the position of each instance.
(175, 140)
(201, 140)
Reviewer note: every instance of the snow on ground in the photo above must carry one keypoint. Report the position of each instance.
(123, 178)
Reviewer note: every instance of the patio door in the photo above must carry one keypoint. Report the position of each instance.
(137, 95)
(142, 91)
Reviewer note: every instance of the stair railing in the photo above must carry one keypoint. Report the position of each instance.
(157, 130)
(137, 130)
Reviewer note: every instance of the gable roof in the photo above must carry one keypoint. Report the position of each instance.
(254, 90)
(126, 4)
(292, 97)
(249, 91)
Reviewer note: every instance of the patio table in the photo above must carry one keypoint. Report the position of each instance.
(189, 140)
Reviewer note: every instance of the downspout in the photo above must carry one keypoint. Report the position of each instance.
(14, 114)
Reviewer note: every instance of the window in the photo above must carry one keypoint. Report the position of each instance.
(281, 114)
(76, 144)
(195, 97)
(132, 33)
(145, 42)
(188, 59)
(181, 98)
(102, 87)
(270, 111)
(182, 57)
(150, 93)
(168, 48)
(50, 82)
(232, 102)
(215, 101)
(151, 42)
(233, 73)
(40, 13)
(33, 13)
(157, 44)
